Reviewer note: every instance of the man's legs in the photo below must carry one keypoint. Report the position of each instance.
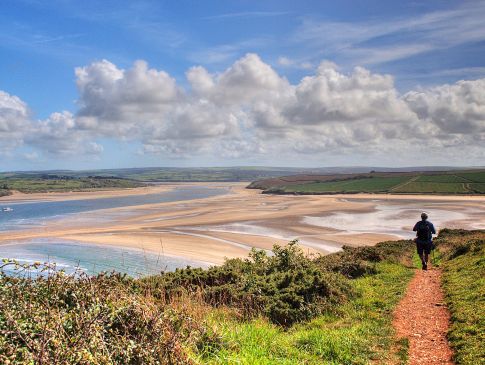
(425, 262)
(422, 255)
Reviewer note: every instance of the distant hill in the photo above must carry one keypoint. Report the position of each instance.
(429, 182)
(201, 174)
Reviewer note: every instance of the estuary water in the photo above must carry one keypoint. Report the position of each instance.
(27, 215)
(91, 258)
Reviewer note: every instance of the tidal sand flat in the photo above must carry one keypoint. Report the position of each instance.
(31, 213)
(210, 222)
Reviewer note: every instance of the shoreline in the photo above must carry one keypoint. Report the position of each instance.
(228, 225)
(18, 197)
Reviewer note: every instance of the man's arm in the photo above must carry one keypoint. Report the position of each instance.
(433, 231)
(415, 227)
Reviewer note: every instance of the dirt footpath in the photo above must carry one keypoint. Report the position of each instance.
(423, 318)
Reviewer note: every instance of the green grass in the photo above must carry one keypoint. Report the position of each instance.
(431, 184)
(463, 263)
(377, 184)
(477, 187)
(357, 332)
(433, 187)
(173, 174)
(452, 182)
(473, 176)
(38, 185)
(445, 178)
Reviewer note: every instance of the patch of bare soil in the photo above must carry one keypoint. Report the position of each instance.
(423, 318)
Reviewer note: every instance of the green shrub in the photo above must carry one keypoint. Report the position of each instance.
(61, 319)
(166, 318)
(354, 262)
(286, 287)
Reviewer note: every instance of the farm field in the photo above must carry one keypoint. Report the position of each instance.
(459, 182)
(367, 184)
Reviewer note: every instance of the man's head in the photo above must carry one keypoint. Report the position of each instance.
(424, 216)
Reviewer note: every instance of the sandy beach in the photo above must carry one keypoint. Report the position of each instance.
(229, 225)
(18, 197)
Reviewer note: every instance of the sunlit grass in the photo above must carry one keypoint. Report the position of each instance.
(358, 332)
(464, 285)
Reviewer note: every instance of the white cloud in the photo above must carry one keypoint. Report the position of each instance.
(456, 109)
(115, 101)
(331, 96)
(31, 156)
(288, 62)
(14, 119)
(201, 81)
(377, 41)
(60, 135)
(249, 111)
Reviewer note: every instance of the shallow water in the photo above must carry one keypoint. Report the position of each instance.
(393, 219)
(32, 214)
(253, 228)
(93, 259)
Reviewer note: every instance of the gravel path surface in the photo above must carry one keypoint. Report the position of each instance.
(423, 318)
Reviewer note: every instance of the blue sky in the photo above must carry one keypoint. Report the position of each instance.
(425, 47)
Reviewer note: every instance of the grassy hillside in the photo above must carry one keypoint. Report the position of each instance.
(56, 183)
(281, 309)
(454, 182)
(201, 174)
(463, 262)
(170, 174)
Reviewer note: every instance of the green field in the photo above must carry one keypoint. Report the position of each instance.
(478, 177)
(477, 187)
(59, 184)
(349, 186)
(445, 178)
(432, 187)
(167, 174)
(405, 183)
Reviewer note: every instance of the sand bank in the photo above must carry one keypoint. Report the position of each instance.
(229, 225)
(18, 197)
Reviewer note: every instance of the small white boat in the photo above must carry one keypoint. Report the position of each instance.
(7, 209)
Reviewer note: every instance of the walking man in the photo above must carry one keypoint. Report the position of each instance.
(424, 238)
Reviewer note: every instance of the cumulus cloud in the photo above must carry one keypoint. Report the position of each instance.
(456, 109)
(60, 134)
(331, 96)
(116, 102)
(14, 120)
(251, 110)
